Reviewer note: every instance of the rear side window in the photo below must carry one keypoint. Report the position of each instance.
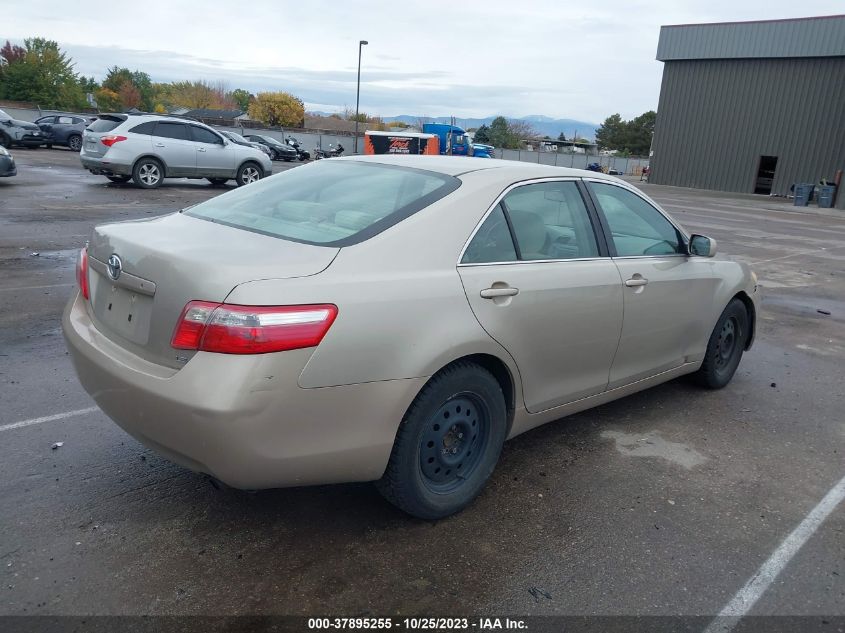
(65, 120)
(492, 242)
(144, 128)
(329, 203)
(201, 135)
(550, 221)
(178, 131)
(104, 125)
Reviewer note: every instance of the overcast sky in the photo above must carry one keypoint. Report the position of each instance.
(582, 60)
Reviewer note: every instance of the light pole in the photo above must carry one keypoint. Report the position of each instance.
(361, 44)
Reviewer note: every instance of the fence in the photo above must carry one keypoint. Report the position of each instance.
(310, 139)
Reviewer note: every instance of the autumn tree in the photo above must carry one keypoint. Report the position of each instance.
(40, 72)
(278, 109)
(123, 89)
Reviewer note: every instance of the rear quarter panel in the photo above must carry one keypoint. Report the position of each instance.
(402, 310)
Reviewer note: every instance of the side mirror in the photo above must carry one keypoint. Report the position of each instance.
(702, 246)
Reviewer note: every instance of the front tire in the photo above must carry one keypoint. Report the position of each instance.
(448, 443)
(5, 141)
(725, 347)
(148, 173)
(248, 173)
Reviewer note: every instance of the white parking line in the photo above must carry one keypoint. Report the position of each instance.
(746, 597)
(37, 287)
(47, 418)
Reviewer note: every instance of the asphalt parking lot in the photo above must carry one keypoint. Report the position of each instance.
(663, 503)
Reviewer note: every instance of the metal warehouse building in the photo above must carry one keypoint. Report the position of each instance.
(751, 107)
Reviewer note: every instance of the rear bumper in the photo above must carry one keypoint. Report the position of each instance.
(105, 167)
(242, 419)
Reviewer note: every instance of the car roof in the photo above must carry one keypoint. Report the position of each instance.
(459, 165)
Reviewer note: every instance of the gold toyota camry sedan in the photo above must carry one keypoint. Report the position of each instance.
(395, 319)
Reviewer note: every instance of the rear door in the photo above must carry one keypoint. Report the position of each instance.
(214, 157)
(542, 285)
(668, 295)
(172, 143)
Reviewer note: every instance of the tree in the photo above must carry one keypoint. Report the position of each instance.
(561, 137)
(482, 135)
(242, 98)
(42, 73)
(631, 137)
(133, 88)
(12, 53)
(278, 109)
(499, 133)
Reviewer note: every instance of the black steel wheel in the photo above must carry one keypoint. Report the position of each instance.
(725, 347)
(453, 442)
(447, 444)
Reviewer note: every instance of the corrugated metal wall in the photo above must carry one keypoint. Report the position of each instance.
(803, 37)
(715, 119)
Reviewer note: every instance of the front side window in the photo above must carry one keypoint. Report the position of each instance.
(46, 120)
(492, 242)
(202, 135)
(637, 227)
(177, 131)
(331, 203)
(550, 221)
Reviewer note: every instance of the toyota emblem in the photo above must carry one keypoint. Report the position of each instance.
(114, 267)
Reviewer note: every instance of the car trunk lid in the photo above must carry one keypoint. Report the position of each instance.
(143, 273)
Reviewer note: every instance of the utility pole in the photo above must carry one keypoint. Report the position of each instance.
(361, 44)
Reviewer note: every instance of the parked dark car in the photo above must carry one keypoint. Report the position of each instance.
(7, 163)
(64, 129)
(281, 151)
(240, 140)
(23, 133)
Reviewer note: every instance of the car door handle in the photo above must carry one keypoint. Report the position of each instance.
(159, 144)
(636, 281)
(200, 149)
(492, 293)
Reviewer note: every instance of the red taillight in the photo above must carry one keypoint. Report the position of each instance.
(236, 329)
(82, 273)
(111, 139)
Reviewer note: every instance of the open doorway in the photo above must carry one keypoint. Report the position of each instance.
(766, 174)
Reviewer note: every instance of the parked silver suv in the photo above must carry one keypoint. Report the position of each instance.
(150, 147)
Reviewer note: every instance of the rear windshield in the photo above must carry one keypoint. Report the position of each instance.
(104, 125)
(328, 203)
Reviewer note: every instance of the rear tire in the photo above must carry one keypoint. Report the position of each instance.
(49, 146)
(248, 173)
(448, 443)
(725, 347)
(119, 179)
(148, 173)
(74, 142)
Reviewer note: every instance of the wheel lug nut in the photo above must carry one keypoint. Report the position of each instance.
(460, 435)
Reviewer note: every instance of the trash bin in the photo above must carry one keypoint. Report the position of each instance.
(825, 196)
(803, 192)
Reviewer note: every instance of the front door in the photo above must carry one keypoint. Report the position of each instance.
(668, 294)
(215, 159)
(538, 284)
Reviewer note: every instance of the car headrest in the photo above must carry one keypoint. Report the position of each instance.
(356, 220)
(530, 231)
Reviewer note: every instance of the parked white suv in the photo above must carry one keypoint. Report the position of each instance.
(149, 148)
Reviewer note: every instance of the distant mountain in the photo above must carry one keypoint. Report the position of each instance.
(545, 126)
